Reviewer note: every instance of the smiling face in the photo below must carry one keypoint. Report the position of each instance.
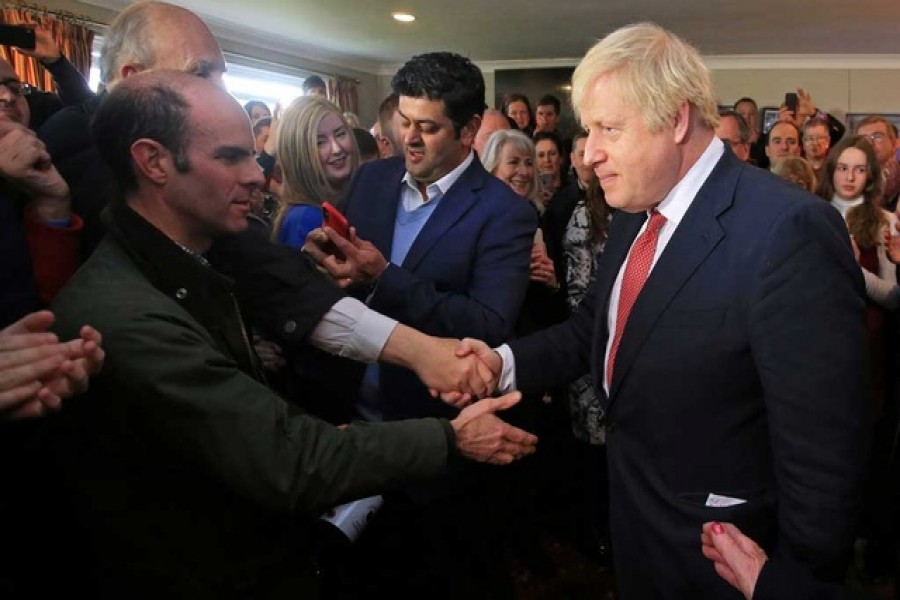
(334, 146)
(637, 168)
(516, 169)
(850, 174)
(432, 148)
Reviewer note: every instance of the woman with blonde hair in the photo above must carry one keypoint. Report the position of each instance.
(318, 157)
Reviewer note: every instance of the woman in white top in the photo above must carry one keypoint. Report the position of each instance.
(851, 182)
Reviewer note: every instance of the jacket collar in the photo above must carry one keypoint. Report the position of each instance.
(171, 269)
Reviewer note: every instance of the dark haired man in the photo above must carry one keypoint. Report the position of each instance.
(314, 86)
(734, 131)
(546, 115)
(389, 128)
(193, 478)
(444, 247)
(783, 140)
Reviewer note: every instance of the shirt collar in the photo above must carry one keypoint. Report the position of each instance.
(440, 187)
(680, 197)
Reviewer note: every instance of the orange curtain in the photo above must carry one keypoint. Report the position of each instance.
(74, 41)
(343, 92)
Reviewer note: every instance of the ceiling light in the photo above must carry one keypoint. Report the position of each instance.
(404, 17)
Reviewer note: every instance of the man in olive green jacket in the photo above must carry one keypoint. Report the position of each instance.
(189, 476)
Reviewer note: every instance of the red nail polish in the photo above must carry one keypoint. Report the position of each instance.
(718, 529)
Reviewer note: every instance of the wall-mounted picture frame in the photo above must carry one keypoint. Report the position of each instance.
(853, 119)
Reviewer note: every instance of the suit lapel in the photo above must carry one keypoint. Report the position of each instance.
(458, 200)
(697, 235)
(383, 219)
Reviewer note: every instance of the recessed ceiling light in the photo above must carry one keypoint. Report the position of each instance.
(404, 17)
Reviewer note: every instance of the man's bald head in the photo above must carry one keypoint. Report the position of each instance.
(157, 35)
(152, 105)
(492, 120)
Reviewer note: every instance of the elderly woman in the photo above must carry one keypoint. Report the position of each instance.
(509, 155)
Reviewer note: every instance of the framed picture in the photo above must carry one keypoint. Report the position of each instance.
(853, 119)
(769, 117)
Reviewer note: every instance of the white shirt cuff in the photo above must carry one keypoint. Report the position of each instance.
(507, 381)
(352, 330)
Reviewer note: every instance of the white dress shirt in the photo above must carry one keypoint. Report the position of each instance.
(673, 207)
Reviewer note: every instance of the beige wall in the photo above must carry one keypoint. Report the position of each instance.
(837, 91)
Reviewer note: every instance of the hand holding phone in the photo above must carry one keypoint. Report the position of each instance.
(791, 101)
(18, 36)
(333, 218)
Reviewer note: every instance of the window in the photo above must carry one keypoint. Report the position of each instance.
(244, 82)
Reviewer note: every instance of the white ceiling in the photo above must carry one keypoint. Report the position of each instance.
(361, 33)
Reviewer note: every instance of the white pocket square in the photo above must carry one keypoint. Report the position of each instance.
(717, 501)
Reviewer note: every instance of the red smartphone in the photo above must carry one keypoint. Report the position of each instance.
(791, 100)
(15, 35)
(334, 219)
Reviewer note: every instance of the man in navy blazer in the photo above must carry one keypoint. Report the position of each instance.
(444, 247)
(737, 390)
(441, 245)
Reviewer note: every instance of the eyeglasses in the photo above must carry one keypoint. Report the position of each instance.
(875, 137)
(16, 87)
(815, 139)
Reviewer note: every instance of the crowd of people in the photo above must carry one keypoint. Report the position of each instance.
(198, 372)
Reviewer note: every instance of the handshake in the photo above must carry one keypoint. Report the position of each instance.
(460, 372)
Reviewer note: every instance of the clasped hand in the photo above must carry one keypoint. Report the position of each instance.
(37, 371)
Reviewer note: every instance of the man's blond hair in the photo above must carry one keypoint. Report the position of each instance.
(656, 70)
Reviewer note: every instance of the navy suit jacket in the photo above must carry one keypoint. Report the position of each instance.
(465, 275)
(741, 372)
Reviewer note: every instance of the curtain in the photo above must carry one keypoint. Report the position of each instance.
(74, 41)
(342, 91)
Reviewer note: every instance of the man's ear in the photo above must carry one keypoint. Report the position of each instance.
(385, 148)
(470, 130)
(128, 70)
(682, 123)
(151, 160)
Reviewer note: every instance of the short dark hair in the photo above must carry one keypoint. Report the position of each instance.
(581, 134)
(248, 108)
(743, 127)
(386, 111)
(365, 141)
(129, 113)
(776, 123)
(548, 135)
(444, 76)
(313, 81)
(550, 100)
(747, 99)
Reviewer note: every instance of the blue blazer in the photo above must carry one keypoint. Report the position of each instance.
(465, 275)
(741, 373)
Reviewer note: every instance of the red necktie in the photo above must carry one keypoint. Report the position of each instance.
(636, 270)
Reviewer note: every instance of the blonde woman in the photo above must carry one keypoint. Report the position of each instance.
(318, 157)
